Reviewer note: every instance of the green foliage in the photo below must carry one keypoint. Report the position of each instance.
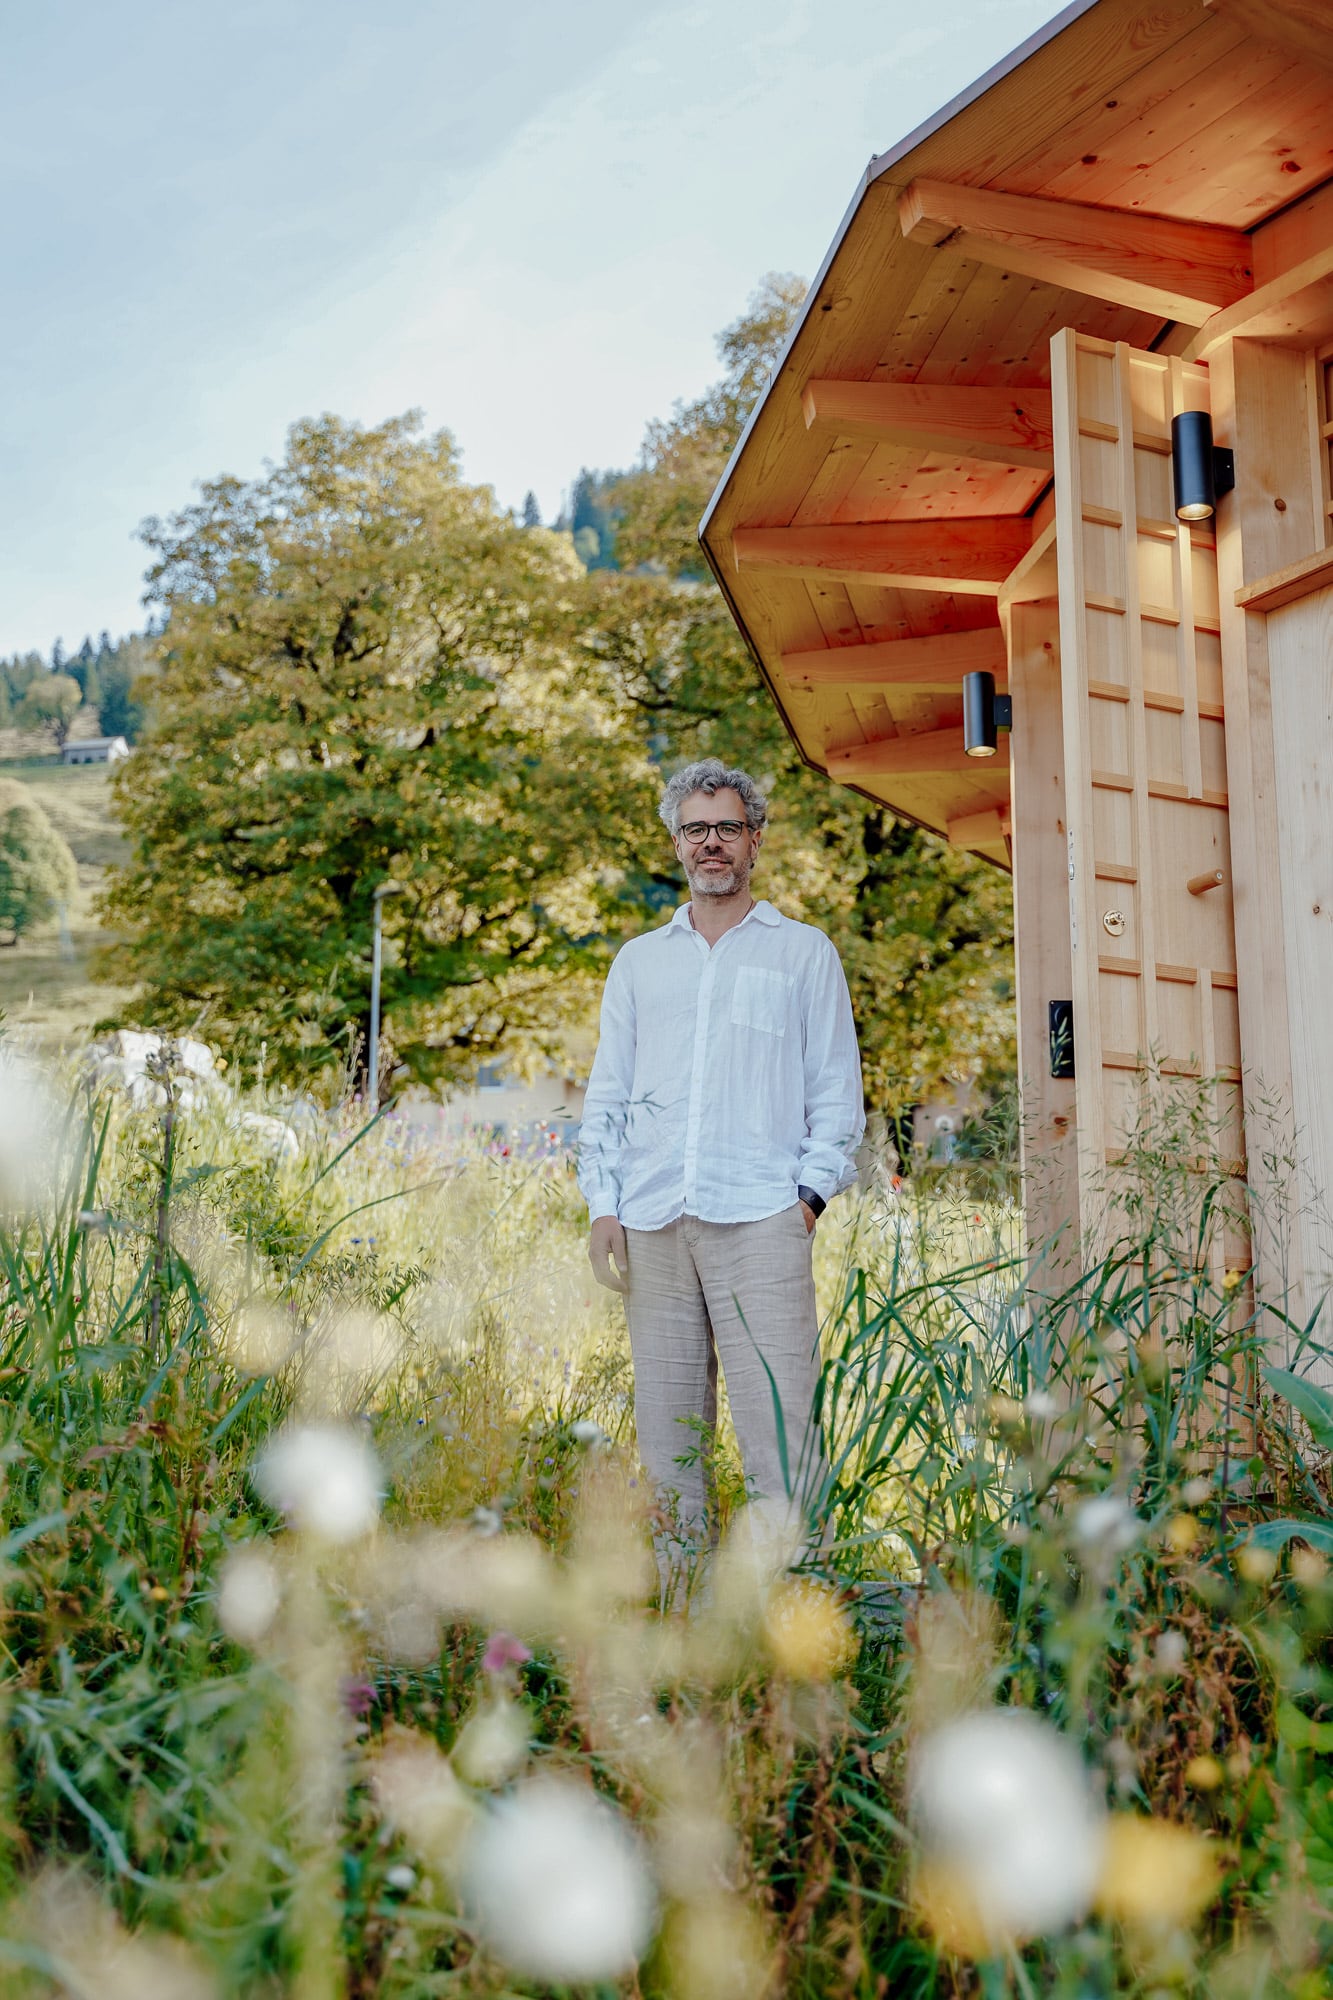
(50, 701)
(122, 674)
(364, 674)
(592, 518)
(38, 877)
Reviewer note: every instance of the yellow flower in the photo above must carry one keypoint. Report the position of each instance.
(1005, 1413)
(1182, 1533)
(1155, 1872)
(1256, 1565)
(808, 1631)
(1233, 1281)
(1204, 1774)
(1308, 1568)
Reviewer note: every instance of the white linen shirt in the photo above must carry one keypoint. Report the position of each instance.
(725, 1077)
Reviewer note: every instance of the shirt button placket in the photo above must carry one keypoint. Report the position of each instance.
(694, 1116)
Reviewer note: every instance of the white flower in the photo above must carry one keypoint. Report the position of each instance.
(586, 1432)
(1170, 1652)
(1004, 1803)
(1106, 1524)
(558, 1886)
(248, 1595)
(401, 1877)
(1041, 1406)
(325, 1478)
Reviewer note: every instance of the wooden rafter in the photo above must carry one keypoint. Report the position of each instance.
(1181, 270)
(1003, 426)
(972, 555)
(933, 751)
(1299, 25)
(939, 660)
(985, 826)
(1293, 309)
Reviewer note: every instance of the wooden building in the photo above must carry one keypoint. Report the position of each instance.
(964, 462)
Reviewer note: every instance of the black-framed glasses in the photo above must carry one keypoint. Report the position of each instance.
(725, 829)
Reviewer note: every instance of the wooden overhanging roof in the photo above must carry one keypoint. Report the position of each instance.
(1143, 170)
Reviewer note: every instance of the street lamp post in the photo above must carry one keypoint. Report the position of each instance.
(376, 955)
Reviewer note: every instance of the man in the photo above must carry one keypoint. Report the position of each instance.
(723, 1112)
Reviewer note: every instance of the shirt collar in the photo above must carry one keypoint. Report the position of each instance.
(762, 913)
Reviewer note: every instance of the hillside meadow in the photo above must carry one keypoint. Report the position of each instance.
(47, 991)
(334, 1656)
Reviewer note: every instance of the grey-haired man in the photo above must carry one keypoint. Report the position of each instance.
(723, 1112)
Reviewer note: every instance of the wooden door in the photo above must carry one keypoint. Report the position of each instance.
(1153, 948)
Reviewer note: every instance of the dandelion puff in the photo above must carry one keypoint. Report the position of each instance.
(1007, 1814)
(558, 1886)
(1106, 1525)
(588, 1433)
(418, 1795)
(249, 1595)
(324, 1478)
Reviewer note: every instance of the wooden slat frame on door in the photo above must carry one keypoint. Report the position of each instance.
(1153, 964)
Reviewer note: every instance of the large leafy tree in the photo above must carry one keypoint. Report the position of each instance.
(51, 701)
(364, 674)
(925, 932)
(38, 877)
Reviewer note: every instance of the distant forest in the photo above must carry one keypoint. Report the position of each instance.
(49, 695)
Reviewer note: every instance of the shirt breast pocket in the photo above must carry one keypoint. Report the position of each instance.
(760, 999)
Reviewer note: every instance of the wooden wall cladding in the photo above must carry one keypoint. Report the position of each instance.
(1152, 922)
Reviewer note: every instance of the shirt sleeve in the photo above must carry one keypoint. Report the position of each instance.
(606, 1101)
(835, 1116)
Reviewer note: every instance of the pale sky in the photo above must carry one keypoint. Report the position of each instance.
(528, 220)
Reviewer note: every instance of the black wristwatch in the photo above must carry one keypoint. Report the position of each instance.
(814, 1202)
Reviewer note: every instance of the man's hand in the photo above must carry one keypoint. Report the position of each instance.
(810, 1218)
(608, 1254)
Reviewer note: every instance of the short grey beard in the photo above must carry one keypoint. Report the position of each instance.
(729, 884)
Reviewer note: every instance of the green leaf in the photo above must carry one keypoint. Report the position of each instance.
(1312, 1402)
(1298, 1729)
(1276, 1534)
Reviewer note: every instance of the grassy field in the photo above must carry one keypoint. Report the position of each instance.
(46, 989)
(333, 1665)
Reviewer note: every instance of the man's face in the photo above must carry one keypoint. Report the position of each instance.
(716, 864)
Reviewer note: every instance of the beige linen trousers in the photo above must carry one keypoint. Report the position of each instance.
(744, 1293)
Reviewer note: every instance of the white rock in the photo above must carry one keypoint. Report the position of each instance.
(273, 1135)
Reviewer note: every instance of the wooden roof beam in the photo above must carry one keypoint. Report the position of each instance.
(1179, 270)
(970, 554)
(934, 752)
(1003, 426)
(938, 660)
(989, 826)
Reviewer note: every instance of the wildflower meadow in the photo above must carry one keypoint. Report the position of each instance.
(335, 1661)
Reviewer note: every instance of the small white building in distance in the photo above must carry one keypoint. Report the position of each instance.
(95, 750)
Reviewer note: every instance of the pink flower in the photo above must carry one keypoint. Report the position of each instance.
(358, 1697)
(504, 1650)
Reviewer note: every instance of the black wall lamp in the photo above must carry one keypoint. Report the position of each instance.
(1200, 469)
(985, 713)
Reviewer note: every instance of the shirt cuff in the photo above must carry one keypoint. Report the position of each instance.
(602, 1204)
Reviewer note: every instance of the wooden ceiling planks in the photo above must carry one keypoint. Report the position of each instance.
(1165, 106)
